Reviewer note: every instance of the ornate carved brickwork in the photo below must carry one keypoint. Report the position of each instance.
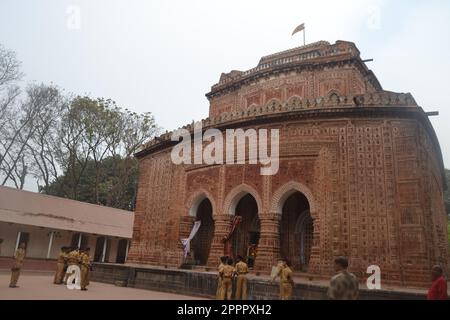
(367, 162)
(304, 85)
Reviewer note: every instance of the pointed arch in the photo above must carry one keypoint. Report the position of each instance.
(288, 189)
(333, 96)
(273, 103)
(235, 195)
(295, 100)
(196, 198)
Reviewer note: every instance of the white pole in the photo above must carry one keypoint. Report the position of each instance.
(304, 36)
(50, 242)
(79, 241)
(126, 250)
(17, 241)
(104, 249)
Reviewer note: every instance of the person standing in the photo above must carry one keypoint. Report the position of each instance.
(85, 263)
(223, 262)
(59, 273)
(286, 281)
(252, 252)
(241, 283)
(19, 256)
(227, 274)
(344, 285)
(438, 290)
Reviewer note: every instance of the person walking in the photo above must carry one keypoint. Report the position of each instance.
(438, 290)
(344, 285)
(284, 272)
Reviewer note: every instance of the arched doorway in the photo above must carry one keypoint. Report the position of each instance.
(248, 231)
(296, 231)
(202, 241)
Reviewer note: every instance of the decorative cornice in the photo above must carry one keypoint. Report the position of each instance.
(375, 105)
(296, 107)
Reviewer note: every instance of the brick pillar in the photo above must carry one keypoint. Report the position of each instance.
(269, 243)
(315, 264)
(186, 223)
(222, 225)
(185, 227)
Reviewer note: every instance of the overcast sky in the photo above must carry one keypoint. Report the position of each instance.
(163, 56)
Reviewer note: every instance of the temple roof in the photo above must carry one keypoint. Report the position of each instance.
(318, 53)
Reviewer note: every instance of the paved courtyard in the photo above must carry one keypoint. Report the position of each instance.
(39, 286)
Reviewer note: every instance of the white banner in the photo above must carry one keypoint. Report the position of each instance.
(187, 242)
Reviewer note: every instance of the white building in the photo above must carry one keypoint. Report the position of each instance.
(47, 223)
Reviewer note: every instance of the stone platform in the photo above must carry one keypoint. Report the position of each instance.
(204, 284)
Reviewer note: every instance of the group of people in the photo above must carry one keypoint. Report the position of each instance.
(68, 256)
(343, 285)
(73, 256)
(228, 272)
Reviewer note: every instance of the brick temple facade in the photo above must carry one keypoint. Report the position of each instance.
(360, 175)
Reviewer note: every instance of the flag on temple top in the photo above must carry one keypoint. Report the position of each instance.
(299, 28)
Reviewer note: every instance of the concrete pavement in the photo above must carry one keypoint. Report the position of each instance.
(39, 286)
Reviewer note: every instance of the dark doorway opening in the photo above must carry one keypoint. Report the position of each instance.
(248, 231)
(24, 238)
(122, 251)
(296, 231)
(201, 244)
(100, 248)
(76, 241)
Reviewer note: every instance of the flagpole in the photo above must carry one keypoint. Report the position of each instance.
(300, 28)
(304, 36)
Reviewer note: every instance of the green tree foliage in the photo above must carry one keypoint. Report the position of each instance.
(116, 185)
(98, 140)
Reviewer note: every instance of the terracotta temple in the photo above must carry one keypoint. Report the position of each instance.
(360, 175)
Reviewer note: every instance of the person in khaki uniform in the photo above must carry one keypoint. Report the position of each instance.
(85, 262)
(241, 283)
(251, 256)
(73, 258)
(19, 256)
(227, 273)
(286, 281)
(60, 263)
(223, 262)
